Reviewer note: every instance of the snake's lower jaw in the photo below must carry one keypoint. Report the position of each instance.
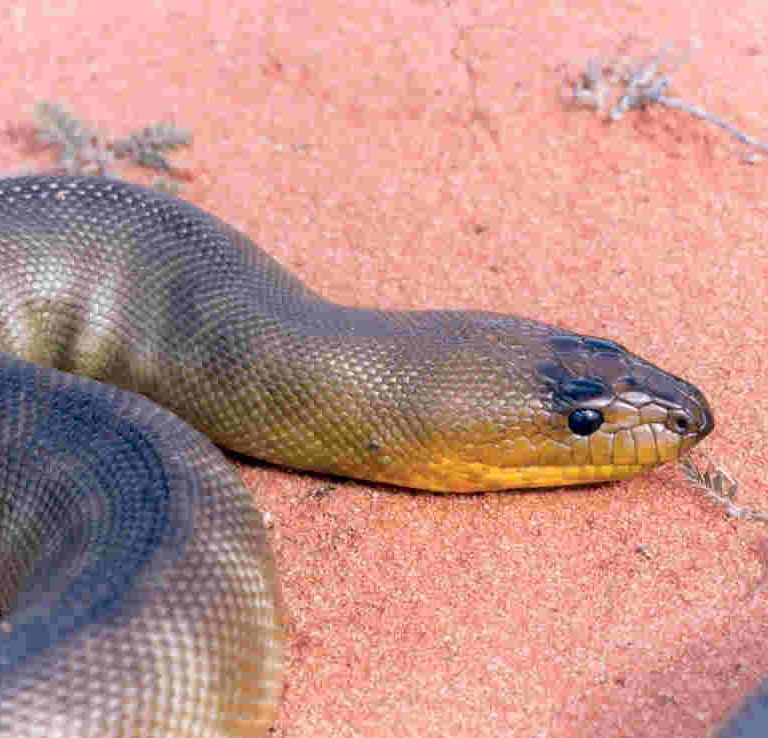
(477, 478)
(626, 456)
(449, 475)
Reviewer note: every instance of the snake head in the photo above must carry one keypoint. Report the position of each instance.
(548, 408)
(617, 413)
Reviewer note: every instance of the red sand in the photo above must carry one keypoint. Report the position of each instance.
(421, 156)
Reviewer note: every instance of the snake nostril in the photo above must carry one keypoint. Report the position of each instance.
(681, 422)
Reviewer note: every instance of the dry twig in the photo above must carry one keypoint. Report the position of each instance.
(85, 150)
(720, 487)
(617, 85)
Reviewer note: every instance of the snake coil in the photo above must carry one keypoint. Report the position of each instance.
(137, 594)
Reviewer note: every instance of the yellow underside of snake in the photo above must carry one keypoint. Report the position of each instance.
(137, 594)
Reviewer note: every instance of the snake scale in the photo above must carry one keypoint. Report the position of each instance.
(137, 593)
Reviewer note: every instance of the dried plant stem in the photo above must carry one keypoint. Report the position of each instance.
(720, 487)
(85, 150)
(643, 85)
(676, 104)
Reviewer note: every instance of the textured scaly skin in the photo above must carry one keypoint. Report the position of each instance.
(136, 584)
(140, 290)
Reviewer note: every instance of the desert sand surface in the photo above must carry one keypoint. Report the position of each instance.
(422, 155)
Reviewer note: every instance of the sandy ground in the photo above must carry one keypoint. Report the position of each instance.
(419, 154)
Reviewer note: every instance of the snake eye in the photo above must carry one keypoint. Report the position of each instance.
(585, 421)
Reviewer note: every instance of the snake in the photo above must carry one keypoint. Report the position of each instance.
(138, 334)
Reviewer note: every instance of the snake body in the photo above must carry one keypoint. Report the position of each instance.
(137, 594)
